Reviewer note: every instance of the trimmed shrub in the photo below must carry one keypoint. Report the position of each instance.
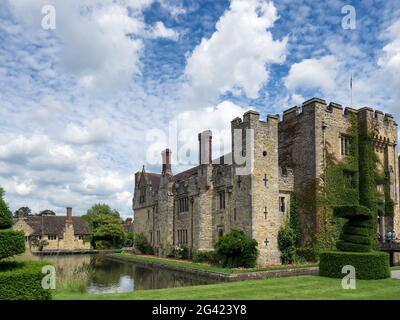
(287, 245)
(356, 234)
(142, 244)
(205, 256)
(368, 265)
(236, 249)
(11, 243)
(22, 281)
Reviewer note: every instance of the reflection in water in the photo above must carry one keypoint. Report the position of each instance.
(108, 276)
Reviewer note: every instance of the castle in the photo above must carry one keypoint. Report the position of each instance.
(250, 188)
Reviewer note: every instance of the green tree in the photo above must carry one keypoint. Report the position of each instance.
(5, 213)
(107, 227)
(46, 212)
(26, 211)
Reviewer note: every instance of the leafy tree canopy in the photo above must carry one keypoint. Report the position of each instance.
(26, 211)
(5, 213)
(105, 224)
(46, 212)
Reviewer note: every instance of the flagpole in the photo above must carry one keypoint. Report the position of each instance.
(351, 90)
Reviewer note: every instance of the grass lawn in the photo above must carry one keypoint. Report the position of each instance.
(203, 266)
(300, 287)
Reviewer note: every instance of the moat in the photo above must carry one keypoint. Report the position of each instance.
(98, 274)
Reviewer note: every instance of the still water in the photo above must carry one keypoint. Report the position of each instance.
(102, 275)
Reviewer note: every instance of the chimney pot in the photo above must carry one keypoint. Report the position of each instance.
(69, 214)
(166, 160)
(205, 147)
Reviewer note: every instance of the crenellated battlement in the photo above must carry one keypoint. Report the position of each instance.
(316, 104)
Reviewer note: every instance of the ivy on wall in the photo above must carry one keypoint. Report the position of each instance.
(350, 183)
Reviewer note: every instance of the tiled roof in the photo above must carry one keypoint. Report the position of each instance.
(55, 225)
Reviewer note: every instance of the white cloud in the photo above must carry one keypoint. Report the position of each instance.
(96, 131)
(100, 41)
(182, 139)
(236, 57)
(159, 30)
(390, 58)
(55, 174)
(314, 74)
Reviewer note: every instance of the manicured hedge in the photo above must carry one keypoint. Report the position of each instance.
(368, 265)
(11, 243)
(22, 281)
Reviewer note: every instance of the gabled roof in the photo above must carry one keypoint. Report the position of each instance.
(55, 225)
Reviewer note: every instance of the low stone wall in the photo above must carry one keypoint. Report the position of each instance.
(78, 251)
(220, 276)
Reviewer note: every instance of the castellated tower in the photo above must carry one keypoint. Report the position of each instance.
(307, 135)
(258, 197)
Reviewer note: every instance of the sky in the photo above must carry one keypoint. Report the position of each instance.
(92, 90)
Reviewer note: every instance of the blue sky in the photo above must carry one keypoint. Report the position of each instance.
(84, 106)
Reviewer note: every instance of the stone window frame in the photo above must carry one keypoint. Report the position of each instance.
(220, 231)
(221, 200)
(51, 237)
(182, 236)
(183, 204)
(345, 142)
(282, 204)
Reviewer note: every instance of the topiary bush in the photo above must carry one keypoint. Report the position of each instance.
(22, 281)
(368, 266)
(142, 244)
(357, 231)
(236, 249)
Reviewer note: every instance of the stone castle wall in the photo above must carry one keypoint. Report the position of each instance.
(291, 154)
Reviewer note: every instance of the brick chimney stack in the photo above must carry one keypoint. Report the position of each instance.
(69, 214)
(205, 147)
(166, 160)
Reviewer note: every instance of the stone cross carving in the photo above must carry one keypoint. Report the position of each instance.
(265, 212)
(239, 181)
(265, 179)
(266, 242)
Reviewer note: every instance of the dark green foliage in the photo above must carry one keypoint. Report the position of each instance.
(142, 244)
(205, 256)
(129, 237)
(294, 222)
(368, 265)
(46, 212)
(25, 211)
(106, 226)
(309, 253)
(5, 213)
(359, 222)
(236, 249)
(11, 243)
(180, 252)
(22, 281)
(287, 245)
